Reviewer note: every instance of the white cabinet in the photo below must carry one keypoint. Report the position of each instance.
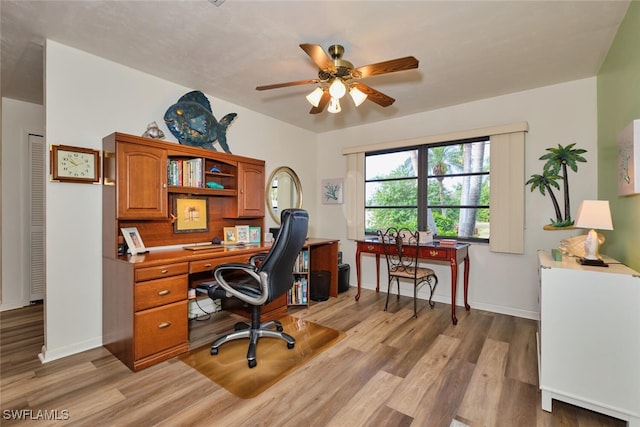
(589, 336)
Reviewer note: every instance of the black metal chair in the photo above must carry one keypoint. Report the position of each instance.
(260, 284)
(400, 250)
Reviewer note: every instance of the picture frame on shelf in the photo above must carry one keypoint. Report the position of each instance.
(254, 234)
(230, 236)
(190, 214)
(134, 241)
(242, 232)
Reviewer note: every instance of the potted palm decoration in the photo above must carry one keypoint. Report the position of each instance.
(558, 161)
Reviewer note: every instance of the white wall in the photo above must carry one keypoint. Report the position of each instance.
(87, 98)
(559, 114)
(18, 120)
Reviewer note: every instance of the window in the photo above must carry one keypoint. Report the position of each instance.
(507, 181)
(444, 188)
(391, 188)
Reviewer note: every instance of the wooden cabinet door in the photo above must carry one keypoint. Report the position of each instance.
(250, 201)
(141, 182)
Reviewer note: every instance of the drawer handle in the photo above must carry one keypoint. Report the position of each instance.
(165, 271)
(164, 325)
(433, 253)
(370, 248)
(207, 265)
(164, 292)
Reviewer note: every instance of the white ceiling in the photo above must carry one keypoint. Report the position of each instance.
(468, 50)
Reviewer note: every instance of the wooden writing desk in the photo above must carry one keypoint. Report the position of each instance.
(145, 297)
(430, 252)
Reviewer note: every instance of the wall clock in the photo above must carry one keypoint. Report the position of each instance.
(75, 164)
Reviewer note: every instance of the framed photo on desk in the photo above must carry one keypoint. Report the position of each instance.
(242, 233)
(230, 236)
(254, 234)
(134, 241)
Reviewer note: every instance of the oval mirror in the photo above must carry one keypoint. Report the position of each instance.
(283, 191)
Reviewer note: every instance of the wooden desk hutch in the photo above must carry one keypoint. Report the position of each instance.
(145, 296)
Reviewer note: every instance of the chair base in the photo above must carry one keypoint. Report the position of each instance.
(244, 330)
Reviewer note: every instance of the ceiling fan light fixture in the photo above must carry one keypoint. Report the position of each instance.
(315, 96)
(334, 105)
(357, 95)
(337, 88)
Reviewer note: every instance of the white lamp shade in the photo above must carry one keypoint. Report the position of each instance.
(594, 214)
(315, 96)
(357, 95)
(334, 105)
(337, 88)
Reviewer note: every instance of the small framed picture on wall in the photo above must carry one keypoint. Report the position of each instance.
(191, 214)
(332, 191)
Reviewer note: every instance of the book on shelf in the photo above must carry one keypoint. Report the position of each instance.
(302, 262)
(448, 242)
(186, 173)
(298, 292)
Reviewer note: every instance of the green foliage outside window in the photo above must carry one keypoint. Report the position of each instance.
(393, 196)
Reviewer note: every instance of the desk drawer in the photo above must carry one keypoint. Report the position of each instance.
(150, 273)
(435, 253)
(211, 263)
(371, 248)
(160, 328)
(154, 293)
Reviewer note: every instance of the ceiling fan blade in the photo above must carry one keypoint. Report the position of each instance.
(391, 66)
(374, 95)
(279, 85)
(323, 103)
(319, 56)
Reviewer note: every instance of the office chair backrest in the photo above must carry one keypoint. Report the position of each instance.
(279, 262)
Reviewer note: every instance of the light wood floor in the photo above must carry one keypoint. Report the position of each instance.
(390, 370)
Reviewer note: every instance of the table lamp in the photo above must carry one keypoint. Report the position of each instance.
(593, 214)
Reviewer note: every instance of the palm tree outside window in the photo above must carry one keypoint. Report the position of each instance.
(443, 188)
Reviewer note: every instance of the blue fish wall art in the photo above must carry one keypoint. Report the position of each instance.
(192, 122)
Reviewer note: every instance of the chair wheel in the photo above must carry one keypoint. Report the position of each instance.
(214, 351)
(290, 345)
(252, 363)
(240, 326)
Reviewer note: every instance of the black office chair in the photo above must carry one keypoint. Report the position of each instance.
(402, 263)
(260, 284)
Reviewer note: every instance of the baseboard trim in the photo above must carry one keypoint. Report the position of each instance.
(48, 355)
(511, 311)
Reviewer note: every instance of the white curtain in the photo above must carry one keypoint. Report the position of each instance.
(355, 196)
(507, 193)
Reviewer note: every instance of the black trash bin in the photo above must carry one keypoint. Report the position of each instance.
(320, 282)
(343, 277)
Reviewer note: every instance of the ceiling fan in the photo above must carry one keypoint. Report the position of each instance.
(337, 75)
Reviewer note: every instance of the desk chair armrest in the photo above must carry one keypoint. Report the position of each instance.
(257, 257)
(251, 270)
